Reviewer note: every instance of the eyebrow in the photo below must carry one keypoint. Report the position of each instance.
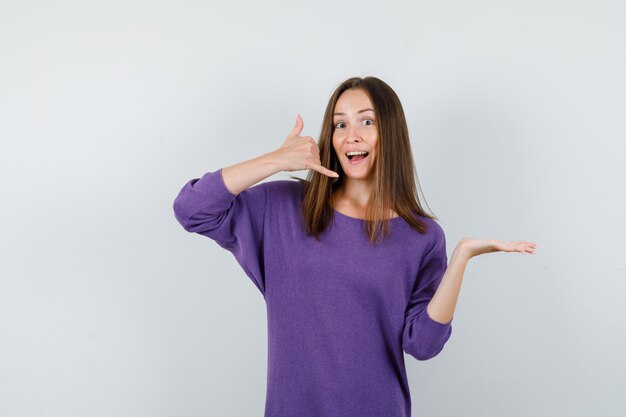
(360, 111)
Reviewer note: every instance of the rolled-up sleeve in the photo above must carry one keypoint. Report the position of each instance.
(423, 337)
(234, 221)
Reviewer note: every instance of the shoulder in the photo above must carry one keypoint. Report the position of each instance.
(435, 235)
(278, 188)
(434, 229)
(279, 192)
(275, 186)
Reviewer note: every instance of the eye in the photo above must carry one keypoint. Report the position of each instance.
(339, 125)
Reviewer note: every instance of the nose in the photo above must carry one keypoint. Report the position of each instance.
(353, 135)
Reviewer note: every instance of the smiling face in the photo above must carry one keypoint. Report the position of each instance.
(355, 129)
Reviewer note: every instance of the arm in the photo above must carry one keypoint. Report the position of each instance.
(442, 305)
(243, 175)
(428, 322)
(423, 337)
(236, 222)
(296, 153)
(227, 207)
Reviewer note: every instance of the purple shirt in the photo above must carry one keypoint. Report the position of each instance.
(340, 311)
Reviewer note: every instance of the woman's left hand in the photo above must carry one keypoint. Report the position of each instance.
(474, 247)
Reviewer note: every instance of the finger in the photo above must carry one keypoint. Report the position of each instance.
(329, 173)
(325, 171)
(298, 127)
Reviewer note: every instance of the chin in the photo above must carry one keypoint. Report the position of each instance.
(357, 172)
(359, 176)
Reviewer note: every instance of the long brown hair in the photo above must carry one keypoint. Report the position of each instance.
(395, 184)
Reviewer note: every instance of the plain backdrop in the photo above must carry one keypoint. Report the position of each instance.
(109, 308)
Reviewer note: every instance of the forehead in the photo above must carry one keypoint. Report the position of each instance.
(353, 100)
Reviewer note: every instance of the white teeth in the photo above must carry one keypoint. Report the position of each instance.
(355, 153)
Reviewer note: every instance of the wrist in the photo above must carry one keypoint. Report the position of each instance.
(462, 251)
(272, 160)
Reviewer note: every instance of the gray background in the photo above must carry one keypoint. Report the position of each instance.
(109, 308)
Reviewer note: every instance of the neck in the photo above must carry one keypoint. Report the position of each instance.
(355, 191)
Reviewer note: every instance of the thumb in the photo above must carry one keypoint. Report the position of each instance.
(297, 129)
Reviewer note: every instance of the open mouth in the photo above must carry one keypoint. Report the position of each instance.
(357, 157)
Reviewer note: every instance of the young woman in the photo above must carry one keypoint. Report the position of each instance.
(353, 271)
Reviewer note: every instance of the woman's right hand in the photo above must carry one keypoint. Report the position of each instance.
(300, 152)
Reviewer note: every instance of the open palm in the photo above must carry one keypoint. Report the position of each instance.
(480, 246)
